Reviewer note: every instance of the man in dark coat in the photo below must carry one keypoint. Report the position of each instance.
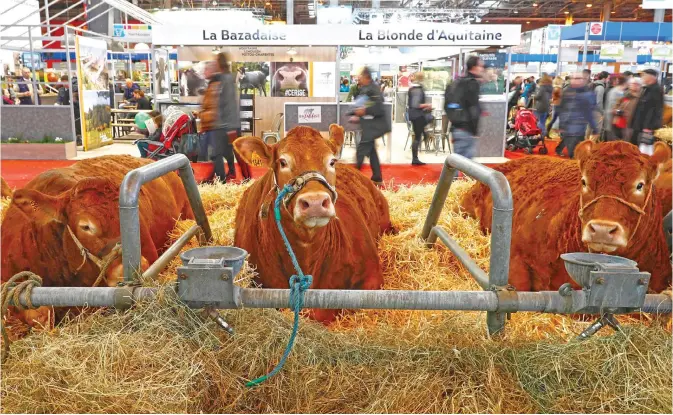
(648, 114)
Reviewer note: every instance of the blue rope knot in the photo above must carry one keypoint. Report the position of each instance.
(299, 283)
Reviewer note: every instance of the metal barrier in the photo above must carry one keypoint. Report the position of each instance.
(209, 283)
(501, 232)
(129, 218)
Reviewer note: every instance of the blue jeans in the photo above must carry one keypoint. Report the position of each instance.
(143, 148)
(541, 118)
(464, 144)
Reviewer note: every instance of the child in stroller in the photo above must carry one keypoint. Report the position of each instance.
(166, 135)
(525, 133)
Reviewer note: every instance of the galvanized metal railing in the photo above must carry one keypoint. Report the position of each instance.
(501, 233)
(129, 217)
(209, 283)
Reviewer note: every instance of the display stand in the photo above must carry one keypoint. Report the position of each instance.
(247, 109)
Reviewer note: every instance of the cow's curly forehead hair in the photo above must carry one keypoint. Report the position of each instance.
(304, 140)
(615, 161)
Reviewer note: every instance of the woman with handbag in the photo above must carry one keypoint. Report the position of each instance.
(624, 109)
(419, 114)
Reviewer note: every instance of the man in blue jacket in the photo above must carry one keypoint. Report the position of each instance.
(576, 112)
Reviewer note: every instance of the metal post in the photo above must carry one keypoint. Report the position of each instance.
(501, 232)
(586, 45)
(129, 194)
(338, 84)
(658, 15)
(46, 13)
(32, 66)
(289, 11)
(558, 54)
(509, 74)
(70, 81)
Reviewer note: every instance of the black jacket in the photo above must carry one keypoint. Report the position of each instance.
(649, 110)
(468, 90)
(143, 104)
(374, 123)
(542, 98)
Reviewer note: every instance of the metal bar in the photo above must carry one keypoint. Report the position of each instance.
(166, 258)
(30, 14)
(128, 205)
(56, 15)
(78, 16)
(32, 69)
(542, 302)
(73, 116)
(46, 13)
(479, 275)
(501, 232)
(586, 46)
(558, 55)
(289, 12)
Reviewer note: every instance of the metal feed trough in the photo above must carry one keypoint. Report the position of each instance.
(610, 285)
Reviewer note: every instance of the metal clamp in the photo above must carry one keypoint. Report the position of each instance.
(508, 298)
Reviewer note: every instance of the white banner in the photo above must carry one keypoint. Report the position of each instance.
(445, 34)
(657, 4)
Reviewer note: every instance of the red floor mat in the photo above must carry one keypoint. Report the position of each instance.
(19, 172)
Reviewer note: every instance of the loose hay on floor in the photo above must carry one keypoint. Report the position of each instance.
(160, 357)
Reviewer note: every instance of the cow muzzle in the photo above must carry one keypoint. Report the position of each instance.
(313, 209)
(604, 236)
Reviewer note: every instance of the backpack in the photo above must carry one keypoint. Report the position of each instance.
(453, 98)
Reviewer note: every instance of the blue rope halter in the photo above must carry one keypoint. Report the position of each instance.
(299, 283)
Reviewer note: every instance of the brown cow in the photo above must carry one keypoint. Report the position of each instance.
(334, 242)
(611, 188)
(62, 208)
(6, 190)
(663, 185)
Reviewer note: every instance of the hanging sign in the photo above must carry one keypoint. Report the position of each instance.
(132, 33)
(662, 52)
(495, 60)
(309, 115)
(596, 28)
(657, 4)
(445, 34)
(612, 51)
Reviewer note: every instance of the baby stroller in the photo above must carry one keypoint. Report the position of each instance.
(525, 133)
(178, 136)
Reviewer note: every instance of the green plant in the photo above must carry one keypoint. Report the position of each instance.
(47, 139)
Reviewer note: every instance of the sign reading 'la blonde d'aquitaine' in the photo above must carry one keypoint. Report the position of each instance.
(447, 34)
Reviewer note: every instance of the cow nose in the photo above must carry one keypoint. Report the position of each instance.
(315, 204)
(606, 232)
(115, 273)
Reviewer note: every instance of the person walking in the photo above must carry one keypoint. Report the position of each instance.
(577, 109)
(622, 113)
(543, 98)
(372, 121)
(528, 90)
(211, 124)
(418, 111)
(615, 95)
(230, 118)
(649, 111)
(465, 128)
(557, 90)
(600, 87)
(513, 96)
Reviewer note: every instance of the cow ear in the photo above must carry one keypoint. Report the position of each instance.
(100, 184)
(662, 153)
(336, 137)
(40, 207)
(247, 146)
(584, 150)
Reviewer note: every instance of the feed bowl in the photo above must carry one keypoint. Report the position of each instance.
(580, 264)
(234, 257)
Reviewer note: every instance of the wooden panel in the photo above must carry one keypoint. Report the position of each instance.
(266, 108)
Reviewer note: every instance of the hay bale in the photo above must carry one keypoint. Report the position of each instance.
(160, 357)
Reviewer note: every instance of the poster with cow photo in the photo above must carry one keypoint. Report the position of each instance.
(94, 93)
(289, 79)
(252, 77)
(192, 79)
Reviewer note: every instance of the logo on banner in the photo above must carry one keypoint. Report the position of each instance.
(309, 115)
(596, 28)
(132, 32)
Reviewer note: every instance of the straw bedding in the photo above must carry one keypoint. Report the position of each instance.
(161, 357)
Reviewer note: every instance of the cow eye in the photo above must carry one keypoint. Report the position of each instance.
(282, 163)
(85, 228)
(584, 183)
(332, 162)
(640, 186)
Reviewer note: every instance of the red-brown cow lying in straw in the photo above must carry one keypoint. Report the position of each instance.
(334, 242)
(80, 204)
(604, 203)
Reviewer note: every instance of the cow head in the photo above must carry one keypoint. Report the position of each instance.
(616, 192)
(87, 216)
(300, 153)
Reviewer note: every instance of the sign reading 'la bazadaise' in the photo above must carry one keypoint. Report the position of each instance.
(346, 35)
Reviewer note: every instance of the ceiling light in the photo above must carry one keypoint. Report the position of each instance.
(613, 12)
(214, 2)
(291, 51)
(516, 12)
(534, 4)
(566, 12)
(527, 22)
(268, 3)
(589, 5)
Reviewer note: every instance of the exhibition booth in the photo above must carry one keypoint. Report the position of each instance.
(287, 72)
